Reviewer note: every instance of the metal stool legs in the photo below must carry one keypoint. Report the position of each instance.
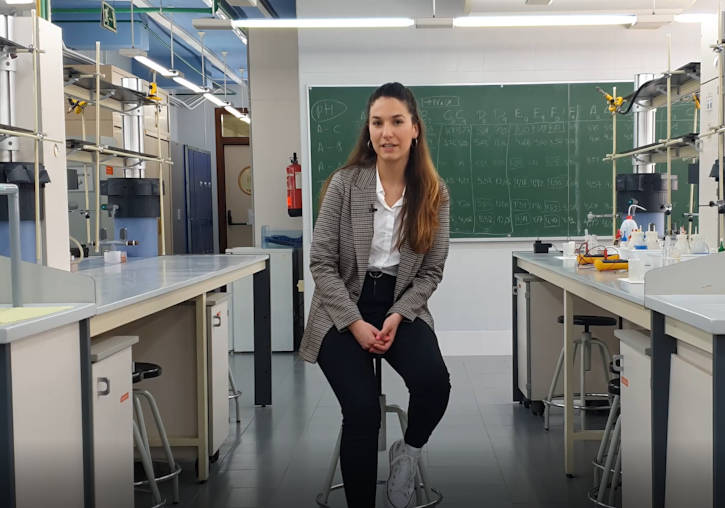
(174, 468)
(586, 342)
(608, 466)
(234, 393)
(147, 466)
(425, 495)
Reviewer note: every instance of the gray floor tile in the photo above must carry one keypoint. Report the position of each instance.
(486, 452)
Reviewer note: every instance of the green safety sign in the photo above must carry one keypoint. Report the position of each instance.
(108, 17)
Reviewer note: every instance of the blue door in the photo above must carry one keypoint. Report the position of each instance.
(200, 235)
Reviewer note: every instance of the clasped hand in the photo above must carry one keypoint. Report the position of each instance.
(373, 340)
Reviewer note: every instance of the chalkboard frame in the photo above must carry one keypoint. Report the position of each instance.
(492, 239)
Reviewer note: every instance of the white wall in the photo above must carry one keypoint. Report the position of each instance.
(472, 306)
(275, 128)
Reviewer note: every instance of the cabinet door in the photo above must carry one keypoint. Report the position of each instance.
(218, 322)
(113, 431)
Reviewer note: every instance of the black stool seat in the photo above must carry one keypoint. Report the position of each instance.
(591, 320)
(143, 370)
(614, 386)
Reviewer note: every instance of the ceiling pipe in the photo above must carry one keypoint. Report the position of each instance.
(190, 40)
(142, 10)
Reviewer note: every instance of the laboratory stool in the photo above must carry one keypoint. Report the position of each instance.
(143, 371)
(233, 392)
(425, 496)
(608, 463)
(586, 341)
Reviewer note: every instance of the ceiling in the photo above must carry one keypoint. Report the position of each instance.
(82, 29)
(619, 6)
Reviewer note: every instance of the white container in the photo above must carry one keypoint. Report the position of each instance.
(635, 269)
(112, 257)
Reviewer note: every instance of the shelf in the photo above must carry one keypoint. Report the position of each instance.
(75, 78)
(12, 131)
(82, 151)
(685, 81)
(7, 43)
(682, 147)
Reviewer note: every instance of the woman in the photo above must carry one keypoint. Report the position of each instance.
(378, 251)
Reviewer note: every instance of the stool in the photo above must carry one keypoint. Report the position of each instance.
(425, 496)
(586, 342)
(608, 463)
(233, 392)
(143, 371)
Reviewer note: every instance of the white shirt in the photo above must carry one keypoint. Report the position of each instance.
(384, 254)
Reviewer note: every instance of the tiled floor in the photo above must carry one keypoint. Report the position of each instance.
(487, 452)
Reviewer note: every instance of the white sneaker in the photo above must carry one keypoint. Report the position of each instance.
(401, 480)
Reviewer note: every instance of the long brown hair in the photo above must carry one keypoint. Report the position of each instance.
(422, 199)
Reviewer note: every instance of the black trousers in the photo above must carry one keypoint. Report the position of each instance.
(414, 354)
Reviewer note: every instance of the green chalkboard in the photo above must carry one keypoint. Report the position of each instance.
(519, 160)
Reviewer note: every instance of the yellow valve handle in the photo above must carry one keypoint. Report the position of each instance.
(614, 102)
(77, 106)
(153, 92)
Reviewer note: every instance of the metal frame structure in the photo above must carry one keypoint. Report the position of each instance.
(10, 47)
(685, 80)
(103, 94)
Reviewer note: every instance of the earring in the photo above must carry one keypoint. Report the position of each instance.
(414, 143)
(370, 146)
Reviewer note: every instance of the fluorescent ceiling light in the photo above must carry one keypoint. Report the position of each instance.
(132, 52)
(19, 2)
(215, 100)
(211, 23)
(694, 17)
(325, 23)
(222, 22)
(167, 73)
(238, 114)
(434, 23)
(188, 84)
(545, 20)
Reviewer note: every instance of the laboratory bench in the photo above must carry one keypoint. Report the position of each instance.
(678, 317)
(70, 321)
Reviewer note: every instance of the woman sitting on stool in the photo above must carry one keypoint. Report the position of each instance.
(379, 246)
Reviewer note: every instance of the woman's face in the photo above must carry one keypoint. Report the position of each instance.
(391, 129)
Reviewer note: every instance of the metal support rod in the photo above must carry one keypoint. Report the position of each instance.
(663, 144)
(161, 182)
(668, 228)
(97, 155)
(11, 191)
(614, 169)
(36, 148)
(692, 186)
(203, 71)
(87, 215)
(171, 38)
(132, 37)
(720, 81)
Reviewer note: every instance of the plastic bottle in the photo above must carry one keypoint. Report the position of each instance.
(628, 224)
(650, 238)
(666, 250)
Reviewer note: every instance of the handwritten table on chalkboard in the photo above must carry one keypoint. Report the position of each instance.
(519, 160)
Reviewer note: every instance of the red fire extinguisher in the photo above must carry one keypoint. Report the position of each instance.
(294, 188)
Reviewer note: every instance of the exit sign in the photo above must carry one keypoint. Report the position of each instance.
(108, 17)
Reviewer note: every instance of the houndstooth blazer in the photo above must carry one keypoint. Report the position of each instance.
(339, 260)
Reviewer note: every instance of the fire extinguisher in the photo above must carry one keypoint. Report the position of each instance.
(294, 188)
